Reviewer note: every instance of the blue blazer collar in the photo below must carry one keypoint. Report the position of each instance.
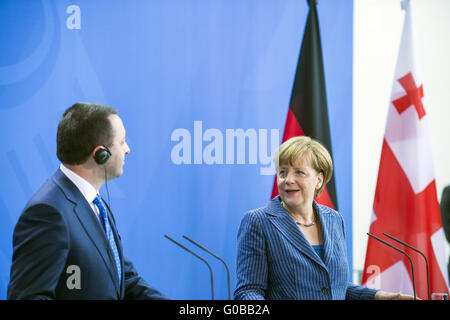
(91, 225)
(285, 224)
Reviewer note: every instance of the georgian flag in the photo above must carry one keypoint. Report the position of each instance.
(406, 204)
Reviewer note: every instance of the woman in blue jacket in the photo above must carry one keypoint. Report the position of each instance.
(294, 248)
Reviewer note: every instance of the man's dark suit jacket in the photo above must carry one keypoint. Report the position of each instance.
(58, 229)
(445, 216)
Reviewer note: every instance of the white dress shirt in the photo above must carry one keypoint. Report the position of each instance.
(86, 189)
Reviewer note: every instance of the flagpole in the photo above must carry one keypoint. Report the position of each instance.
(404, 4)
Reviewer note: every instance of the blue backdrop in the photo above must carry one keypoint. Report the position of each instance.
(182, 74)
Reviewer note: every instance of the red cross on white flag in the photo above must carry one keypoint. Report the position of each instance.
(406, 204)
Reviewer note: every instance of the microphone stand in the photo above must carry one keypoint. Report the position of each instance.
(196, 255)
(418, 251)
(410, 261)
(217, 257)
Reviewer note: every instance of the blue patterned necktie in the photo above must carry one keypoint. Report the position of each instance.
(109, 234)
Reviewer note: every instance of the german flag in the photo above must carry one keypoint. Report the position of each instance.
(308, 111)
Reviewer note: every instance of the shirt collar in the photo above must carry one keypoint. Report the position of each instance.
(86, 189)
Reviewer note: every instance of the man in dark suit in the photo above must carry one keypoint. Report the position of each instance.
(445, 216)
(65, 244)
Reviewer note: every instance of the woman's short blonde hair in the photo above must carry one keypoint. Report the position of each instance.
(305, 148)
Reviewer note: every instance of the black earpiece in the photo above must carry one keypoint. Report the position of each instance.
(102, 155)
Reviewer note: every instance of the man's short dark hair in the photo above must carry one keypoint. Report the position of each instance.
(83, 127)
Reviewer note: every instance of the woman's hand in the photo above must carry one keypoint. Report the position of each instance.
(384, 295)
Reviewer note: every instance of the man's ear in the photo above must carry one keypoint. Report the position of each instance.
(101, 154)
(94, 151)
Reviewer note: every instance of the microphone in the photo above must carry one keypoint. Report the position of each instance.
(199, 257)
(403, 252)
(215, 256)
(418, 251)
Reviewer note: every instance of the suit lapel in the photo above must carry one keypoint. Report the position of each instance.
(89, 222)
(284, 223)
(327, 232)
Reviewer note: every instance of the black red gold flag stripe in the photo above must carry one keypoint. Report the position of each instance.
(308, 111)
